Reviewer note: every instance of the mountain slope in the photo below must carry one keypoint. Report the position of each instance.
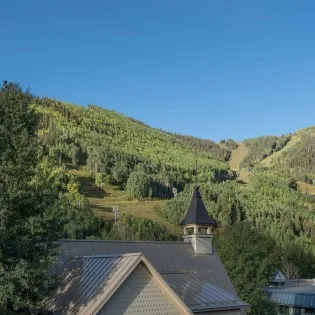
(298, 158)
(122, 162)
(95, 126)
(137, 168)
(291, 156)
(236, 159)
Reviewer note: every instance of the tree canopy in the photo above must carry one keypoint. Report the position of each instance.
(31, 216)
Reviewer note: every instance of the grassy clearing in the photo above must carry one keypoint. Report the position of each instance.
(236, 157)
(102, 200)
(306, 188)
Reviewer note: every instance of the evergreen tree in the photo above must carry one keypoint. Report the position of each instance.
(29, 207)
(139, 185)
(250, 258)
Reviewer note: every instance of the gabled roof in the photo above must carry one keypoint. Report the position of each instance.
(202, 277)
(278, 277)
(197, 212)
(87, 283)
(295, 293)
(166, 257)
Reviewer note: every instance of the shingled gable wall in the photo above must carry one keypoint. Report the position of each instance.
(140, 294)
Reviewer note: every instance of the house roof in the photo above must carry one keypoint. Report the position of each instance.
(299, 293)
(88, 282)
(202, 277)
(201, 295)
(197, 212)
(278, 277)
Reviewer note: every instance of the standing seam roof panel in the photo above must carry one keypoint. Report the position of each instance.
(87, 278)
(166, 257)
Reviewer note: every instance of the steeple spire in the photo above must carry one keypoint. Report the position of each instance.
(197, 212)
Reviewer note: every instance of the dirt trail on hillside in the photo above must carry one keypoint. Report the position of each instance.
(237, 156)
(235, 161)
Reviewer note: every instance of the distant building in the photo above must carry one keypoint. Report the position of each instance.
(294, 297)
(278, 279)
(139, 277)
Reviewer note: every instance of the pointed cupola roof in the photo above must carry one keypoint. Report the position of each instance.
(197, 212)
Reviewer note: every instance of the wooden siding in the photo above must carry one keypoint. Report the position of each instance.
(140, 294)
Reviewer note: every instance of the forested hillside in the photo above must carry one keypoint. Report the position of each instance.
(89, 160)
(148, 163)
(117, 148)
(289, 156)
(262, 147)
(298, 158)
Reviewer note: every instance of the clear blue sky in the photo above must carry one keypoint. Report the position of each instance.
(213, 69)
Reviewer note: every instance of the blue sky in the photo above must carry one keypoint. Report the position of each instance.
(213, 69)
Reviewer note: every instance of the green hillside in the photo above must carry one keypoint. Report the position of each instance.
(85, 162)
(119, 161)
(94, 126)
(290, 156)
(262, 147)
(297, 158)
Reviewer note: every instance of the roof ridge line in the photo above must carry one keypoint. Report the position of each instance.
(112, 255)
(119, 241)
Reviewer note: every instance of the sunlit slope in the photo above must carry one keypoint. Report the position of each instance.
(295, 158)
(296, 138)
(235, 161)
(95, 126)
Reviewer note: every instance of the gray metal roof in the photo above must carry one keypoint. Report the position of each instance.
(85, 279)
(294, 293)
(199, 294)
(197, 212)
(166, 257)
(175, 261)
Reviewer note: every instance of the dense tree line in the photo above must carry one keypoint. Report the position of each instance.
(41, 202)
(136, 229)
(30, 208)
(298, 160)
(250, 259)
(229, 143)
(94, 126)
(199, 144)
(119, 150)
(262, 147)
(143, 178)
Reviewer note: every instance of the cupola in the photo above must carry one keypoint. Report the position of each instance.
(198, 225)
